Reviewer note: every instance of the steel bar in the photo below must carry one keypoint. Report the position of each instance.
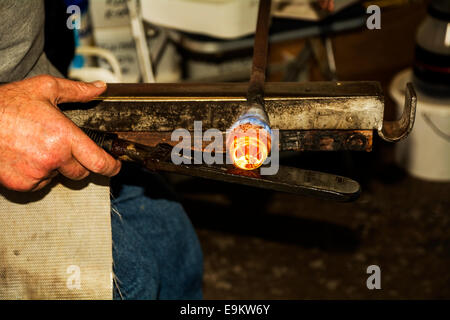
(290, 106)
(255, 94)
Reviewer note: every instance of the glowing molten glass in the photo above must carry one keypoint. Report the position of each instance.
(248, 146)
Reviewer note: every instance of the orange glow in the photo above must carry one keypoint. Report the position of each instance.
(249, 146)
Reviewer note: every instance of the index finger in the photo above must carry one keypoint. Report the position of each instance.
(92, 157)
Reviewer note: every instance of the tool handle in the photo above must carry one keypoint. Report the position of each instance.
(104, 140)
(119, 148)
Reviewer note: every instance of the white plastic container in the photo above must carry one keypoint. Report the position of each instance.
(218, 18)
(120, 42)
(425, 153)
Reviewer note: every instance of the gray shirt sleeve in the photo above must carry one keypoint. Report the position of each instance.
(22, 40)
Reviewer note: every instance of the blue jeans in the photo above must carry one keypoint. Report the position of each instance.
(156, 251)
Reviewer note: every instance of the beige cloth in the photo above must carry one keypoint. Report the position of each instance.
(56, 243)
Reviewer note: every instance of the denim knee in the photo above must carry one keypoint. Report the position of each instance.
(156, 251)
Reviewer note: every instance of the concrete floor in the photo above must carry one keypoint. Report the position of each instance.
(266, 245)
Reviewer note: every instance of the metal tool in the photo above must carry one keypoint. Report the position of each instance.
(291, 180)
(249, 141)
(255, 93)
(316, 116)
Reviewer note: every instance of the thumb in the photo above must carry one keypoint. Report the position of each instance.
(77, 91)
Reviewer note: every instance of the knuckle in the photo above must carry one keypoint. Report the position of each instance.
(99, 165)
(49, 160)
(47, 83)
(38, 175)
(23, 188)
(52, 152)
(117, 168)
(84, 91)
(80, 174)
(20, 185)
(81, 86)
(20, 180)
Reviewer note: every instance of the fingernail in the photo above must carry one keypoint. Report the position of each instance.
(99, 84)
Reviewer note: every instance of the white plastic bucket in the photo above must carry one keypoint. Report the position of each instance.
(425, 153)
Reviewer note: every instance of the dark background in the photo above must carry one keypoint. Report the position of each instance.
(263, 245)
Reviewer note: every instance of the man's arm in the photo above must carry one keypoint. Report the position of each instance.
(37, 141)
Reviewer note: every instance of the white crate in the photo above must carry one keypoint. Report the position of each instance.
(109, 13)
(217, 18)
(120, 42)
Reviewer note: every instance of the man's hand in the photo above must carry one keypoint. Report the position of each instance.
(327, 5)
(37, 141)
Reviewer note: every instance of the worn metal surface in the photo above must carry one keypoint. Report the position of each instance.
(255, 93)
(290, 106)
(326, 140)
(393, 131)
(291, 180)
(290, 140)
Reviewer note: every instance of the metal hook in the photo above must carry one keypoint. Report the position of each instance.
(393, 131)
